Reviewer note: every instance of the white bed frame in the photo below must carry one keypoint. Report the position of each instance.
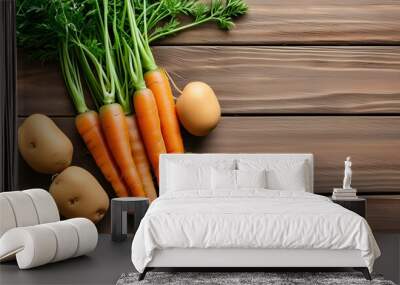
(250, 258)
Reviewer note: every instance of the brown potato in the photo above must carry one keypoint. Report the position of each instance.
(78, 194)
(43, 145)
(198, 108)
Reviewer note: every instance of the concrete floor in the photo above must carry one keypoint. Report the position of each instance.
(110, 260)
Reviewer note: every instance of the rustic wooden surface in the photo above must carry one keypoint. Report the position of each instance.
(41, 89)
(383, 212)
(319, 76)
(257, 80)
(371, 141)
(306, 22)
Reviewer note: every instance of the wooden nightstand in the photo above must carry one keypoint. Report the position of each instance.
(358, 205)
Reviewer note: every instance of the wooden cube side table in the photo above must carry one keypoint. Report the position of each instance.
(120, 208)
(357, 205)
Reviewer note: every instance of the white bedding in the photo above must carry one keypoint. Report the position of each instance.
(252, 218)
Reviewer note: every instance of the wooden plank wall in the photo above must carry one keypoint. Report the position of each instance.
(319, 76)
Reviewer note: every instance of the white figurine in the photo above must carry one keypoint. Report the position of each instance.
(347, 174)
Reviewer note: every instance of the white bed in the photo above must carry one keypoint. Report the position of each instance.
(248, 227)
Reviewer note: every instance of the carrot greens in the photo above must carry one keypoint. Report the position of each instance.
(72, 79)
(163, 18)
(219, 11)
(104, 46)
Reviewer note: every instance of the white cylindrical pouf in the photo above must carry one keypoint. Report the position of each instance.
(23, 208)
(7, 218)
(45, 205)
(67, 240)
(40, 244)
(87, 234)
(34, 245)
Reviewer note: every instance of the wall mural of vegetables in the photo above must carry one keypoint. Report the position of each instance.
(198, 108)
(88, 124)
(147, 113)
(43, 145)
(48, 150)
(103, 46)
(78, 194)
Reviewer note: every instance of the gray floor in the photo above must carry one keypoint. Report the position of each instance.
(103, 266)
(110, 260)
(389, 262)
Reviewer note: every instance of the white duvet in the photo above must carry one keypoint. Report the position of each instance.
(250, 219)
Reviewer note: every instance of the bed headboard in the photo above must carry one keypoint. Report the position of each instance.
(210, 157)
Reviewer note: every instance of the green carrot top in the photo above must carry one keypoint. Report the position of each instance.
(132, 57)
(219, 11)
(109, 43)
(72, 78)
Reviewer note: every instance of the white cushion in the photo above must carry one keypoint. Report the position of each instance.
(87, 235)
(172, 178)
(33, 246)
(7, 218)
(40, 244)
(188, 177)
(287, 175)
(46, 207)
(229, 161)
(200, 161)
(67, 237)
(23, 208)
(251, 178)
(223, 179)
(26, 208)
(231, 180)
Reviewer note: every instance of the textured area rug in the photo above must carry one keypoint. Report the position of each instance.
(243, 278)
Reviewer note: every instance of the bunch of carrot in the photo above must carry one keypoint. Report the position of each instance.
(123, 143)
(108, 44)
(115, 136)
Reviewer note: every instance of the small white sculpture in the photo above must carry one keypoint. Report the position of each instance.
(347, 173)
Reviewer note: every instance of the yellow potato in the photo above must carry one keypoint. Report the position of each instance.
(78, 194)
(198, 108)
(43, 145)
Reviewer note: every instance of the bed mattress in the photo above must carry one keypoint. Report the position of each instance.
(250, 219)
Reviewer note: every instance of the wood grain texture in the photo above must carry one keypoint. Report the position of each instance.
(373, 143)
(264, 80)
(256, 80)
(383, 213)
(306, 22)
(41, 89)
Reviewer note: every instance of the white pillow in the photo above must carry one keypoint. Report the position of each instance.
(281, 174)
(223, 179)
(251, 178)
(182, 177)
(204, 161)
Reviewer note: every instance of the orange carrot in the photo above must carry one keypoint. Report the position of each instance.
(143, 99)
(140, 158)
(114, 126)
(158, 82)
(149, 125)
(88, 125)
